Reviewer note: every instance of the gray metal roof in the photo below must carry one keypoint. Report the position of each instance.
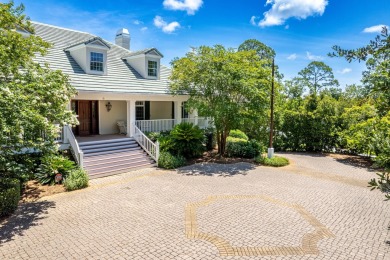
(120, 78)
(145, 51)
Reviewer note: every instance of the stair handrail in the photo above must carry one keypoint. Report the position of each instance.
(153, 149)
(74, 146)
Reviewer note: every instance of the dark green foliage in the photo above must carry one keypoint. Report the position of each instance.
(21, 166)
(166, 144)
(209, 139)
(9, 195)
(237, 147)
(76, 179)
(170, 161)
(238, 134)
(52, 165)
(382, 184)
(187, 140)
(276, 161)
(154, 136)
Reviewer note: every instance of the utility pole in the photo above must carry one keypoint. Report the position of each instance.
(271, 127)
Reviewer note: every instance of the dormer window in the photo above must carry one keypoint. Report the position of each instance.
(91, 55)
(152, 68)
(96, 61)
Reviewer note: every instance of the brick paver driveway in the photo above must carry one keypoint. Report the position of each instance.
(316, 208)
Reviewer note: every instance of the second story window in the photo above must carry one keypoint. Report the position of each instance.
(152, 68)
(96, 61)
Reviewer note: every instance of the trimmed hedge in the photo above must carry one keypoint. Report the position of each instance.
(238, 134)
(9, 195)
(236, 147)
(276, 161)
(168, 161)
(77, 179)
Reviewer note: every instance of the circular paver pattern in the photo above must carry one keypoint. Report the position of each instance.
(317, 201)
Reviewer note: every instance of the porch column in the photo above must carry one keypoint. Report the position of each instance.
(195, 114)
(177, 107)
(130, 117)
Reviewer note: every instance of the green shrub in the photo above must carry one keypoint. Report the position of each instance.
(276, 161)
(187, 140)
(9, 195)
(236, 147)
(154, 136)
(166, 144)
(76, 179)
(52, 165)
(238, 134)
(168, 161)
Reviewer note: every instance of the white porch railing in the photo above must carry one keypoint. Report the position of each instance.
(59, 138)
(160, 125)
(155, 125)
(74, 146)
(151, 148)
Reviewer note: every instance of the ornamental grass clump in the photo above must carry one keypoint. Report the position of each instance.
(276, 161)
(76, 179)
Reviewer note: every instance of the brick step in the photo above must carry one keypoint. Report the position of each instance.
(115, 160)
(114, 155)
(119, 170)
(106, 141)
(120, 166)
(111, 148)
(103, 145)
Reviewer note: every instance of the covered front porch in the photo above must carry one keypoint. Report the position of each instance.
(112, 114)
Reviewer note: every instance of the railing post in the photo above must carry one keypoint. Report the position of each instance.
(81, 159)
(157, 151)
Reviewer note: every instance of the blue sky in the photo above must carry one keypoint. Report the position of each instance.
(298, 30)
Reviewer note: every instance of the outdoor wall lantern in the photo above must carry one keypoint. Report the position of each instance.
(108, 106)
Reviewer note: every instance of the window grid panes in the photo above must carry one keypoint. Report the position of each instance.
(96, 61)
(152, 68)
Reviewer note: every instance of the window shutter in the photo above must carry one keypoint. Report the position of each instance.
(147, 110)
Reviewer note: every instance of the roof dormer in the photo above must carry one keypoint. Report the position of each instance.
(91, 55)
(146, 62)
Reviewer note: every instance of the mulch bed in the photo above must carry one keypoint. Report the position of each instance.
(34, 191)
(214, 157)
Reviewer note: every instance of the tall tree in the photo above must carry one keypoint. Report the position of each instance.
(316, 76)
(33, 97)
(265, 52)
(223, 84)
(377, 76)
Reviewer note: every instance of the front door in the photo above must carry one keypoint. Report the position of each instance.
(85, 119)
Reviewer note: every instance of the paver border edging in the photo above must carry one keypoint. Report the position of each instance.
(308, 244)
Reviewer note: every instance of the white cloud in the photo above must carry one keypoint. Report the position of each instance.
(282, 10)
(253, 20)
(313, 57)
(190, 6)
(345, 71)
(292, 56)
(375, 29)
(137, 22)
(166, 27)
(144, 29)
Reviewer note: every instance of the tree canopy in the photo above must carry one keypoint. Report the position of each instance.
(316, 76)
(226, 85)
(33, 97)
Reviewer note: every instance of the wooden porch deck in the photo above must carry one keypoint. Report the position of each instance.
(92, 138)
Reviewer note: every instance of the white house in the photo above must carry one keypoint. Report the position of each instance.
(115, 86)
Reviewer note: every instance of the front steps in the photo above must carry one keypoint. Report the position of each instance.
(109, 157)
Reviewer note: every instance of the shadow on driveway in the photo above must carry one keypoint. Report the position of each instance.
(211, 169)
(26, 216)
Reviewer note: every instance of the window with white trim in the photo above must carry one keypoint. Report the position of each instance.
(139, 110)
(96, 63)
(152, 68)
